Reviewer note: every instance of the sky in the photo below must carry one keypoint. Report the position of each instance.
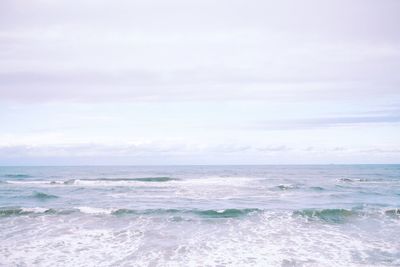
(155, 82)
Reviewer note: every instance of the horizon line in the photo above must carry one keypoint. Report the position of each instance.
(187, 165)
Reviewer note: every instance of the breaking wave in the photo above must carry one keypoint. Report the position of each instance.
(96, 182)
(6, 212)
(328, 215)
(223, 213)
(227, 213)
(325, 215)
(285, 187)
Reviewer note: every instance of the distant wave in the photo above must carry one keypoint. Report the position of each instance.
(284, 187)
(32, 182)
(142, 179)
(154, 179)
(317, 188)
(348, 180)
(365, 180)
(17, 176)
(119, 181)
(95, 182)
(43, 196)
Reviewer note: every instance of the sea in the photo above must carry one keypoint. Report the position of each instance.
(283, 215)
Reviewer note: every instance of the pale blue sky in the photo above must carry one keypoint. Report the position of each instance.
(199, 82)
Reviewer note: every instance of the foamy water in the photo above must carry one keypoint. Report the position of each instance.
(200, 216)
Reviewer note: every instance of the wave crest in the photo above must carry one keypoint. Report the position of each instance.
(223, 213)
(96, 182)
(327, 215)
(43, 196)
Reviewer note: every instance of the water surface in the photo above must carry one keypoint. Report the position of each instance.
(333, 215)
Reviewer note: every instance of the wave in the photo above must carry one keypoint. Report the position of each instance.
(317, 188)
(32, 182)
(118, 181)
(139, 181)
(365, 180)
(93, 210)
(347, 180)
(94, 182)
(6, 212)
(154, 179)
(327, 215)
(17, 176)
(223, 213)
(393, 212)
(286, 186)
(142, 179)
(43, 196)
(226, 213)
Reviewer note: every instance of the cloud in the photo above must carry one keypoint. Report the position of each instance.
(179, 85)
(157, 149)
(381, 150)
(77, 77)
(349, 120)
(327, 122)
(178, 50)
(173, 154)
(280, 148)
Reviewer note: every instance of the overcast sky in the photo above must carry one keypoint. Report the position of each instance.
(199, 82)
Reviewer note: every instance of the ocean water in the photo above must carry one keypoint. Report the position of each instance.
(329, 215)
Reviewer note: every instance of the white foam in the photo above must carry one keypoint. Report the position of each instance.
(92, 210)
(219, 181)
(35, 210)
(269, 239)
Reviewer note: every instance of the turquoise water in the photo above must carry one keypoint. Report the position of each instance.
(200, 216)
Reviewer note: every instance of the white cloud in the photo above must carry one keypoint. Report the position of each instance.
(199, 81)
(154, 50)
(154, 154)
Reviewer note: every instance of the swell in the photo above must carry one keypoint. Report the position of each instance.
(18, 175)
(367, 180)
(99, 181)
(7, 212)
(324, 215)
(43, 196)
(223, 213)
(284, 187)
(227, 213)
(141, 179)
(343, 215)
(327, 215)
